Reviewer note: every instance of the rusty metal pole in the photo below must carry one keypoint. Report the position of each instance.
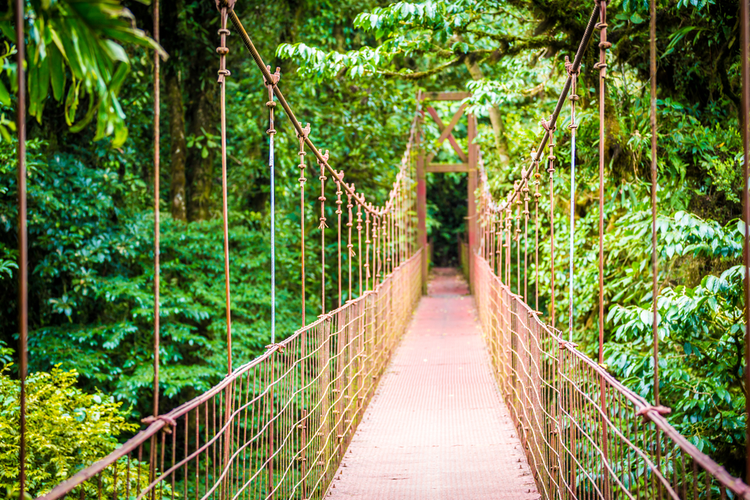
(745, 36)
(573, 126)
(421, 200)
(23, 256)
(654, 254)
(471, 221)
(302, 136)
(602, 66)
(156, 213)
(223, 73)
(654, 174)
(157, 230)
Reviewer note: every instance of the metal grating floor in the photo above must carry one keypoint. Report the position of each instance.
(437, 427)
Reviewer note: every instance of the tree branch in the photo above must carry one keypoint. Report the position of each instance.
(419, 75)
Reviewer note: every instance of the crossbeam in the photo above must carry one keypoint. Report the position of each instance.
(445, 96)
(447, 131)
(443, 168)
(441, 127)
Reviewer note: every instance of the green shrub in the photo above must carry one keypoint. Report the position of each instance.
(67, 429)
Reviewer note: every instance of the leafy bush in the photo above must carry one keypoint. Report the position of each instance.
(67, 429)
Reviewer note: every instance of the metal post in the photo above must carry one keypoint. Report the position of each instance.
(156, 213)
(421, 202)
(745, 36)
(472, 209)
(23, 256)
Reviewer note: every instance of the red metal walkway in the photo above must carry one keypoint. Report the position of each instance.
(437, 427)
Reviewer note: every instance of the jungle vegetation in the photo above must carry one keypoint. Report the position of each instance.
(352, 68)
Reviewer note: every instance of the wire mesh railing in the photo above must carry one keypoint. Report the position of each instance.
(277, 427)
(585, 434)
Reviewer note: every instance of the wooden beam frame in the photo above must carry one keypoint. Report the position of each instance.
(447, 131)
(468, 166)
(441, 126)
(448, 167)
(445, 96)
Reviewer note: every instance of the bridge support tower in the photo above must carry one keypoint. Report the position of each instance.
(425, 165)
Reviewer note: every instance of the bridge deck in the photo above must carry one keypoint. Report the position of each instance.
(437, 427)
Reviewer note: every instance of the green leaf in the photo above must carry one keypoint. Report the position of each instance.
(57, 72)
(4, 95)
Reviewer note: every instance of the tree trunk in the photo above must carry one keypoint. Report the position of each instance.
(201, 169)
(498, 127)
(178, 147)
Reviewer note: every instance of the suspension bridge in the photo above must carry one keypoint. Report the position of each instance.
(411, 387)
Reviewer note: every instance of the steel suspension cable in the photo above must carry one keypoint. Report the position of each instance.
(270, 104)
(359, 247)
(745, 124)
(157, 229)
(654, 174)
(301, 136)
(338, 233)
(23, 255)
(367, 249)
(518, 244)
(525, 191)
(573, 127)
(322, 226)
(654, 256)
(602, 66)
(223, 50)
(550, 128)
(537, 195)
(499, 242)
(349, 244)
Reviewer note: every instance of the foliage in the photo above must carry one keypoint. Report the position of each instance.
(83, 38)
(95, 307)
(67, 428)
(353, 69)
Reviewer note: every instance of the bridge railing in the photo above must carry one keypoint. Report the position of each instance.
(585, 434)
(279, 425)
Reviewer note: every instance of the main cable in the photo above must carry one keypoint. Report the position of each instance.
(270, 104)
(23, 251)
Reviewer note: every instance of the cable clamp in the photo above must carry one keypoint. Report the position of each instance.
(600, 65)
(225, 3)
(275, 77)
(305, 132)
(547, 125)
(569, 67)
(661, 410)
(223, 73)
(605, 45)
(325, 158)
(566, 344)
(277, 346)
(224, 31)
(169, 421)
(600, 26)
